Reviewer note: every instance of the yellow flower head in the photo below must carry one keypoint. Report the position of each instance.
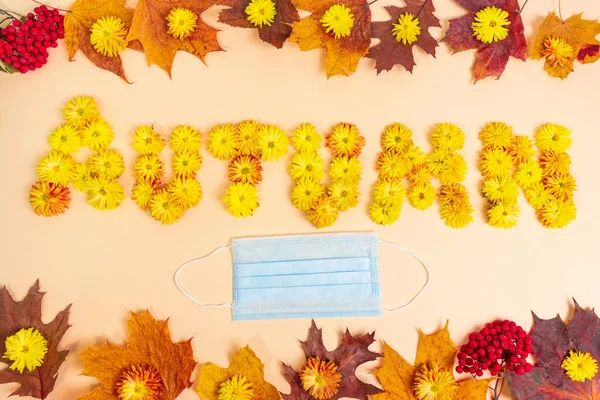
(305, 192)
(236, 388)
(261, 12)
(147, 141)
(81, 110)
(456, 215)
(107, 35)
(181, 22)
(579, 366)
(97, 135)
(407, 30)
(307, 164)
(557, 52)
(186, 164)
(306, 138)
(561, 186)
(504, 215)
(396, 138)
(501, 189)
(339, 20)
(489, 25)
(385, 214)
(389, 191)
(496, 163)
(421, 195)
(448, 137)
(437, 161)
(413, 157)
(433, 383)
(320, 378)
(248, 138)
(241, 199)
(27, 349)
(345, 140)
(454, 170)
(104, 194)
(223, 142)
(49, 199)
(107, 164)
(272, 142)
(142, 193)
(343, 196)
(345, 169)
(496, 135)
(392, 165)
(148, 168)
(245, 169)
(65, 139)
(553, 162)
(521, 149)
(56, 168)
(556, 213)
(165, 207)
(453, 194)
(186, 191)
(528, 173)
(537, 195)
(552, 137)
(420, 173)
(82, 176)
(185, 138)
(142, 382)
(322, 213)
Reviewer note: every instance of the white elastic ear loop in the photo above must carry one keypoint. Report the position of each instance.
(189, 296)
(424, 286)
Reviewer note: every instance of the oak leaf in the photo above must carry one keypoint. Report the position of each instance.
(149, 26)
(78, 22)
(149, 342)
(16, 315)
(490, 59)
(341, 55)
(389, 52)
(244, 363)
(276, 33)
(579, 33)
(552, 341)
(397, 375)
(352, 352)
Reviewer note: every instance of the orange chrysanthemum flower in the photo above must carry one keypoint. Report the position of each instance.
(49, 199)
(245, 169)
(320, 378)
(553, 162)
(345, 140)
(141, 382)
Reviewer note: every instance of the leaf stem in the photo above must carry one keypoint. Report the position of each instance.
(560, 11)
(524, 4)
(55, 8)
(374, 1)
(421, 9)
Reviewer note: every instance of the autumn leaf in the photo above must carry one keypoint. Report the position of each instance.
(552, 341)
(149, 26)
(490, 59)
(352, 352)
(389, 51)
(149, 347)
(243, 364)
(397, 375)
(276, 33)
(78, 22)
(576, 35)
(341, 55)
(17, 315)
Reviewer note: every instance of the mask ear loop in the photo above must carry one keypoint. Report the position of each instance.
(424, 286)
(189, 296)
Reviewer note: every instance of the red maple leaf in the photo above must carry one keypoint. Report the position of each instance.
(389, 51)
(491, 59)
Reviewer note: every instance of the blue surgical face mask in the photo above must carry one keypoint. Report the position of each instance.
(305, 276)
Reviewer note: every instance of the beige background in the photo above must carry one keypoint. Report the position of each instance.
(109, 263)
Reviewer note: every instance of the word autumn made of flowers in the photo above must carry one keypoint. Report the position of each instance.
(102, 29)
(556, 360)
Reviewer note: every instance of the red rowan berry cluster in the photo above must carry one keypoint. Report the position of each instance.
(25, 42)
(501, 345)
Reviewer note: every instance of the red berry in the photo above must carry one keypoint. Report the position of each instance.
(528, 367)
(54, 45)
(24, 69)
(459, 370)
(479, 373)
(16, 65)
(16, 23)
(43, 8)
(520, 370)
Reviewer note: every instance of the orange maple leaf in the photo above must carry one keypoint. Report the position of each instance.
(149, 344)
(150, 27)
(341, 55)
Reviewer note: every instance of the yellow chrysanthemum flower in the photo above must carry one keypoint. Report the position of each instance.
(561, 186)
(97, 135)
(437, 160)
(528, 173)
(339, 20)
(504, 215)
(142, 193)
(421, 195)
(65, 139)
(307, 164)
(553, 162)
(241, 199)
(537, 195)
(185, 138)
(164, 207)
(272, 142)
(141, 382)
(496, 135)
(433, 383)
(420, 173)
(496, 163)
(456, 215)
(392, 165)
(49, 199)
(557, 52)
(552, 137)
(236, 388)
(186, 164)
(57, 168)
(80, 111)
(407, 30)
(26, 349)
(104, 194)
(501, 189)
(107, 35)
(305, 193)
(489, 25)
(448, 137)
(248, 138)
(343, 196)
(385, 214)
(453, 194)
(556, 213)
(181, 22)
(322, 212)
(345, 169)
(107, 164)
(223, 142)
(82, 177)
(389, 191)
(245, 169)
(261, 12)
(320, 378)
(521, 149)
(148, 168)
(345, 140)
(147, 141)
(454, 170)
(579, 366)
(306, 138)
(413, 157)
(186, 191)
(396, 138)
